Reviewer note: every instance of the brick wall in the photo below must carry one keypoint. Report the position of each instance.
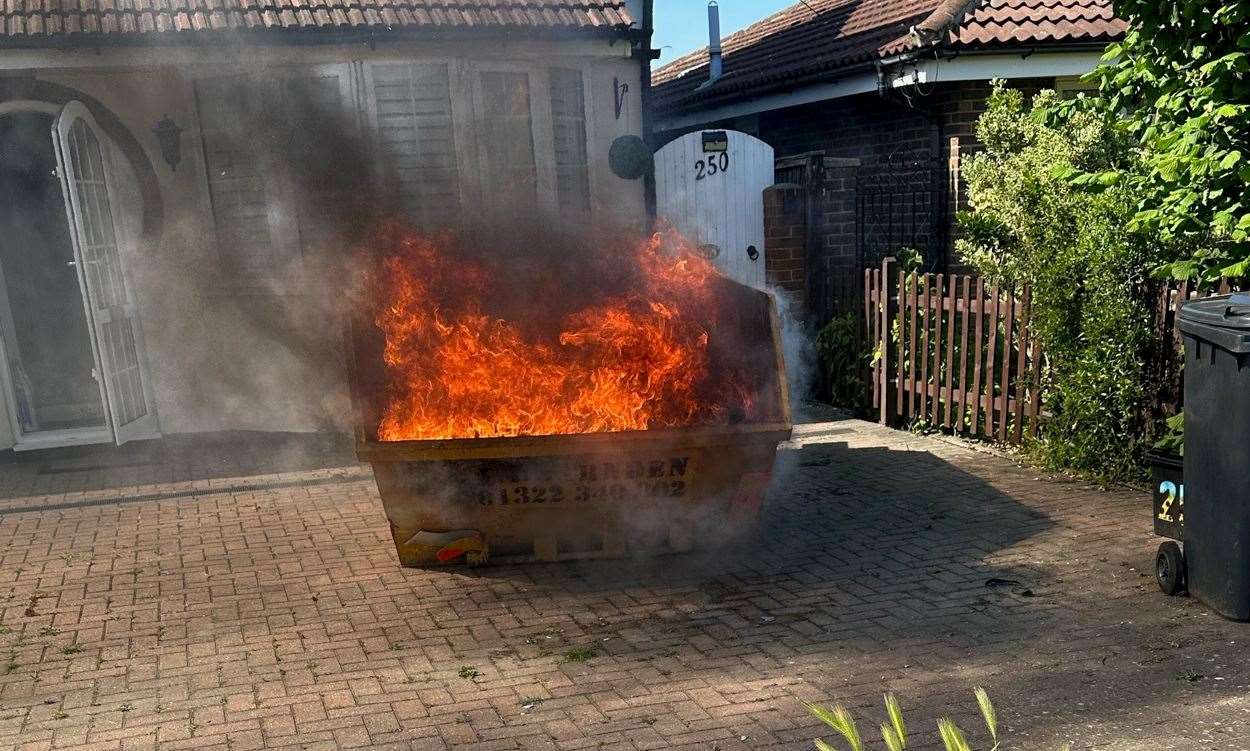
(835, 215)
(809, 233)
(867, 127)
(785, 239)
(962, 103)
(891, 146)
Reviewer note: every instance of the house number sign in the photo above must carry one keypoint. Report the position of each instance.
(712, 165)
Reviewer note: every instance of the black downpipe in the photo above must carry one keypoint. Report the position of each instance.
(941, 189)
(645, 55)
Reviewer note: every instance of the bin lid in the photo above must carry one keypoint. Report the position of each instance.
(1223, 320)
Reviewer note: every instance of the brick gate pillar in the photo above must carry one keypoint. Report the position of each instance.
(785, 240)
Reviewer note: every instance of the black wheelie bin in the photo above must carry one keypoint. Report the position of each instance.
(1217, 452)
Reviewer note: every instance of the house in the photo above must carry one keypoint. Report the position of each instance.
(161, 254)
(870, 106)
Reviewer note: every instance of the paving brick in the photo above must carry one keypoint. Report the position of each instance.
(247, 612)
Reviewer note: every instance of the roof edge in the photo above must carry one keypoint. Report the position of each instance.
(279, 36)
(1050, 58)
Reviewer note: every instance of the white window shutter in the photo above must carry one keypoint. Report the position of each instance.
(568, 125)
(506, 141)
(415, 140)
(236, 178)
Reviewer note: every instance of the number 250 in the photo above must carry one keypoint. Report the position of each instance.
(710, 166)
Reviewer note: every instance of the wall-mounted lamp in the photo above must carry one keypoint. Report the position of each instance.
(169, 137)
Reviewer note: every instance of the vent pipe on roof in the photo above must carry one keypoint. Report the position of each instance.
(947, 15)
(715, 60)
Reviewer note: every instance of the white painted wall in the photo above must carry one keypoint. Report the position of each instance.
(219, 351)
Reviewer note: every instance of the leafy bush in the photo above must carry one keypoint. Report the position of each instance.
(843, 358)
(1173, 439)
(1083, 200)
(1033, 223)
(1178, 85)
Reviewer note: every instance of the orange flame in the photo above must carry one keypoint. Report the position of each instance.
(634, 359)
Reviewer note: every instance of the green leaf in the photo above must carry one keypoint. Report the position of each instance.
(1237, 270)
(987, 712)
(952, 737)
(1065, 172)
(841, 721)
(1184, 270)
(895, 712)
(822, 714)
(891, 739)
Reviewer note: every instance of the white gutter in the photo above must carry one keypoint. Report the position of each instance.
(986, 67)
(968, 67)
(859, 84)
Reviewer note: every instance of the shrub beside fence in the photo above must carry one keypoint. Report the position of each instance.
(955, 352)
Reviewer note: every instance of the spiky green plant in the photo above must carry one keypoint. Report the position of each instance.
(952, 737)
(840, 720)
(894, 732)
(988, 714)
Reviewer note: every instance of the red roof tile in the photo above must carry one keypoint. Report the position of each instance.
(821, 39)
(804, 40)
(24, 19)
(996, 22)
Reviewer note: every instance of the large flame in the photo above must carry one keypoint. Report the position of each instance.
(633, 359)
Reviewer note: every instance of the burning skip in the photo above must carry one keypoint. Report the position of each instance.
(634, 356)
(537, 401)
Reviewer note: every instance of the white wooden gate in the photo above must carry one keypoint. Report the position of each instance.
(710, 187)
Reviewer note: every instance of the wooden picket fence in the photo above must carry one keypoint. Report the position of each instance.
(952, 352)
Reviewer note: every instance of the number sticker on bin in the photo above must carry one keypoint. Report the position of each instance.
(535, 481)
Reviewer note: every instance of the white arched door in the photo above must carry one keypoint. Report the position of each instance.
(117, 345)
(710, 187)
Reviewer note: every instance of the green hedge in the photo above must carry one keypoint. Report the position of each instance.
(1032, 223)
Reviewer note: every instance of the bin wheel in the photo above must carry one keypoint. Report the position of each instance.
(1170, 568)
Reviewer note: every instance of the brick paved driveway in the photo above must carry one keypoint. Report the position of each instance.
(243, 610)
